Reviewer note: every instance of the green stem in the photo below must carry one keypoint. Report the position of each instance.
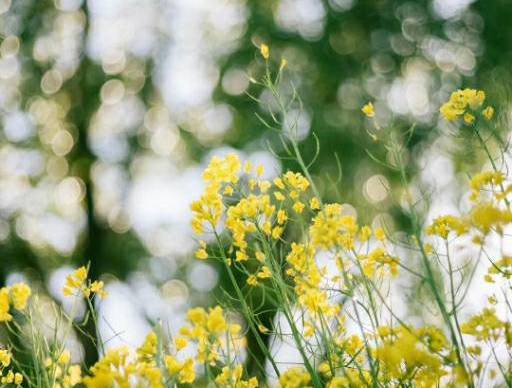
(428, 268)
(245, 308)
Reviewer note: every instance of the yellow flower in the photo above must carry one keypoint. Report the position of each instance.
(97, 287)
(216, 322)
(486, 216)
(264, 273)
(64, 357)
(228, 190)
(260, 256)
(208, 209)
(277, 232)
(173, 365)
(380, 234)
(260, 170)
(18, 378)
(232, 377)
(298, 207)
(197, 316)
(8, 378)
(314, 204)
(485, 326)
(4, 305)
(241, 256)
(180, 343)
(209, 331)
(281, 217)
(379, 257)
(330, 228)
(187, 373)
(278, 182)
(77, 283)
(460, 101)
(20, 293)
(252, 280)
(5, 358)
(443, 225)
(368, 110)
(296, 181)
(265, 51)
(148, 349)
(262, 329)
(488, 112)
(279, 196)
(469, 118)
(295, 378)
(264, 186)
(74, 376)
(487, 178)
(201, 254)
(116, 367)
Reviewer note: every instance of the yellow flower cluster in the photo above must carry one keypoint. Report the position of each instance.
(7, 376)
(208, 209)
(232, 378)
(295, 378)
(421, 356)
(62, 372)
(77, 283)
(484, 179)
(184, 371)
(415, 355)
(154, 366)
(351, 378)
(331, 229)
(120, 368)
(113, 369)
(209, 330)
(490, 210)
(251, 215)
(256, 220)
(15, 296)
(379, 259)
(256, 213)
(248, 216)
(442, 226)
(486, 327)
(487, 216)
(465, 103)
(308, 278)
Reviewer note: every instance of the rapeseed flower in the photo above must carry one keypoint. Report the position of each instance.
(77, 283)
(368, 110)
